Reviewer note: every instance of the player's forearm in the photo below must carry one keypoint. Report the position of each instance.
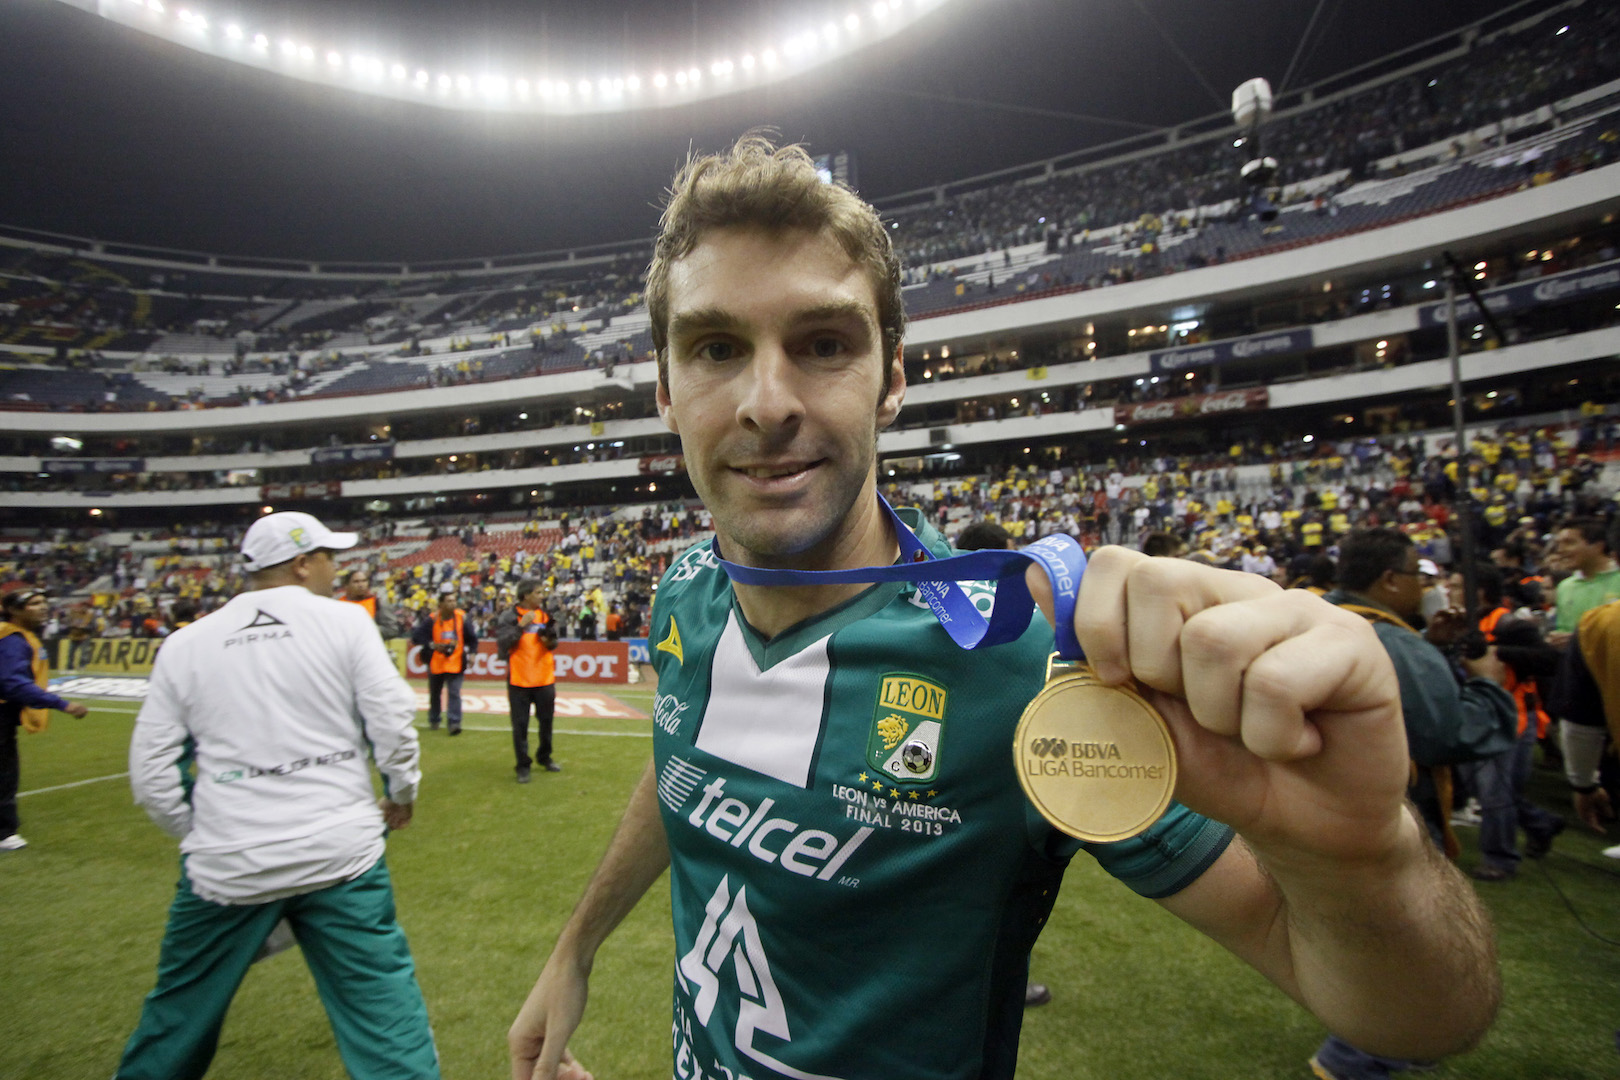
(636, 856)
(1395, 955)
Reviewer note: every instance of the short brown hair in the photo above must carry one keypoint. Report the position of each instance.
(760, 185)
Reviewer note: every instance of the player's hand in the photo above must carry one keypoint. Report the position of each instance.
(395, 815)
(538, 1039)
(77, 709)
(1284, 709)
(1594, 810)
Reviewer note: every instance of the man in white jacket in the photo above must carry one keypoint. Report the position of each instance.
(273, 702)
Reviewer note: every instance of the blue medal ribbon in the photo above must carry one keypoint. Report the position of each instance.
(936, 579)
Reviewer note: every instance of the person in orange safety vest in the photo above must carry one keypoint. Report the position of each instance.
(446, 639)
(526, 637)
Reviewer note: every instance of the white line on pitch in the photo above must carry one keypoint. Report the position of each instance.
(76, 783)
(559, 731)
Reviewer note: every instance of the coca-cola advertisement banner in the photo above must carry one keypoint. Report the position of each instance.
(662, 464)
(1185, 408)
(576, 661)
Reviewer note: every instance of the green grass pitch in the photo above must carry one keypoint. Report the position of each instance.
(489, 870)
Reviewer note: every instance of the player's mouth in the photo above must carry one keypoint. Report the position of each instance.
(778, 476)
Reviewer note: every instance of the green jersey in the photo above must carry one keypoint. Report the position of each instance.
(856, 876)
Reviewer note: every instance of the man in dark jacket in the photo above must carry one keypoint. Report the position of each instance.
(1499, 781)
(1451, 717)
(24, 699)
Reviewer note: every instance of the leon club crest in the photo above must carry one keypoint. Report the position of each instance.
(907, 726)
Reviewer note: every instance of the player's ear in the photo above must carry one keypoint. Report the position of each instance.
(889, 406)
(665, 406)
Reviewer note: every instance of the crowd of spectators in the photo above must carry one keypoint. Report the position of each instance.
(1218, 507)
(1507, 77)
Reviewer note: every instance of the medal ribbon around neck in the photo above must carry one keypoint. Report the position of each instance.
(1097, 761)
(936, 579)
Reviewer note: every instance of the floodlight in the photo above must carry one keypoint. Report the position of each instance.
(806, 45)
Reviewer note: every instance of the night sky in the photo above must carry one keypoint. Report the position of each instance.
(109, 133)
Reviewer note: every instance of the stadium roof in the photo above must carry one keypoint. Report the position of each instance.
(117, 134)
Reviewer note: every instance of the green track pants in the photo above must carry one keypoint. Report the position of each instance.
(355, 950)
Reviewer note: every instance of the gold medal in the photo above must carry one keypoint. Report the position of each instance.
(1097, 761)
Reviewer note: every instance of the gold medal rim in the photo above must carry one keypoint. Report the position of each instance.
(1079, 832)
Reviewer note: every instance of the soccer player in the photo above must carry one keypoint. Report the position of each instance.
(279, 698)
(816, 881)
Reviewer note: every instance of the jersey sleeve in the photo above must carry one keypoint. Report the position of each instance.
(387, 707)
(159, 751)
(1160, 862)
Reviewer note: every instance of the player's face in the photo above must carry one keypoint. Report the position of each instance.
(775, 374)
(320, 572)
(358, 587)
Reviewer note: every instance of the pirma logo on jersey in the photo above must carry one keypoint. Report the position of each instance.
(908, 724)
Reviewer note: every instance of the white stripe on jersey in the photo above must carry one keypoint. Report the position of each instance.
(767, 721)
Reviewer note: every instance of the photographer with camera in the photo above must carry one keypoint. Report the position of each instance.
(447, 639)
(1500, 781)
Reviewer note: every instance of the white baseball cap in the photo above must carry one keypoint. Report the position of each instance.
(1427, 566)
(275, 538)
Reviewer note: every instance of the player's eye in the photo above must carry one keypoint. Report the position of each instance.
(826, 347)
(718, 351)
